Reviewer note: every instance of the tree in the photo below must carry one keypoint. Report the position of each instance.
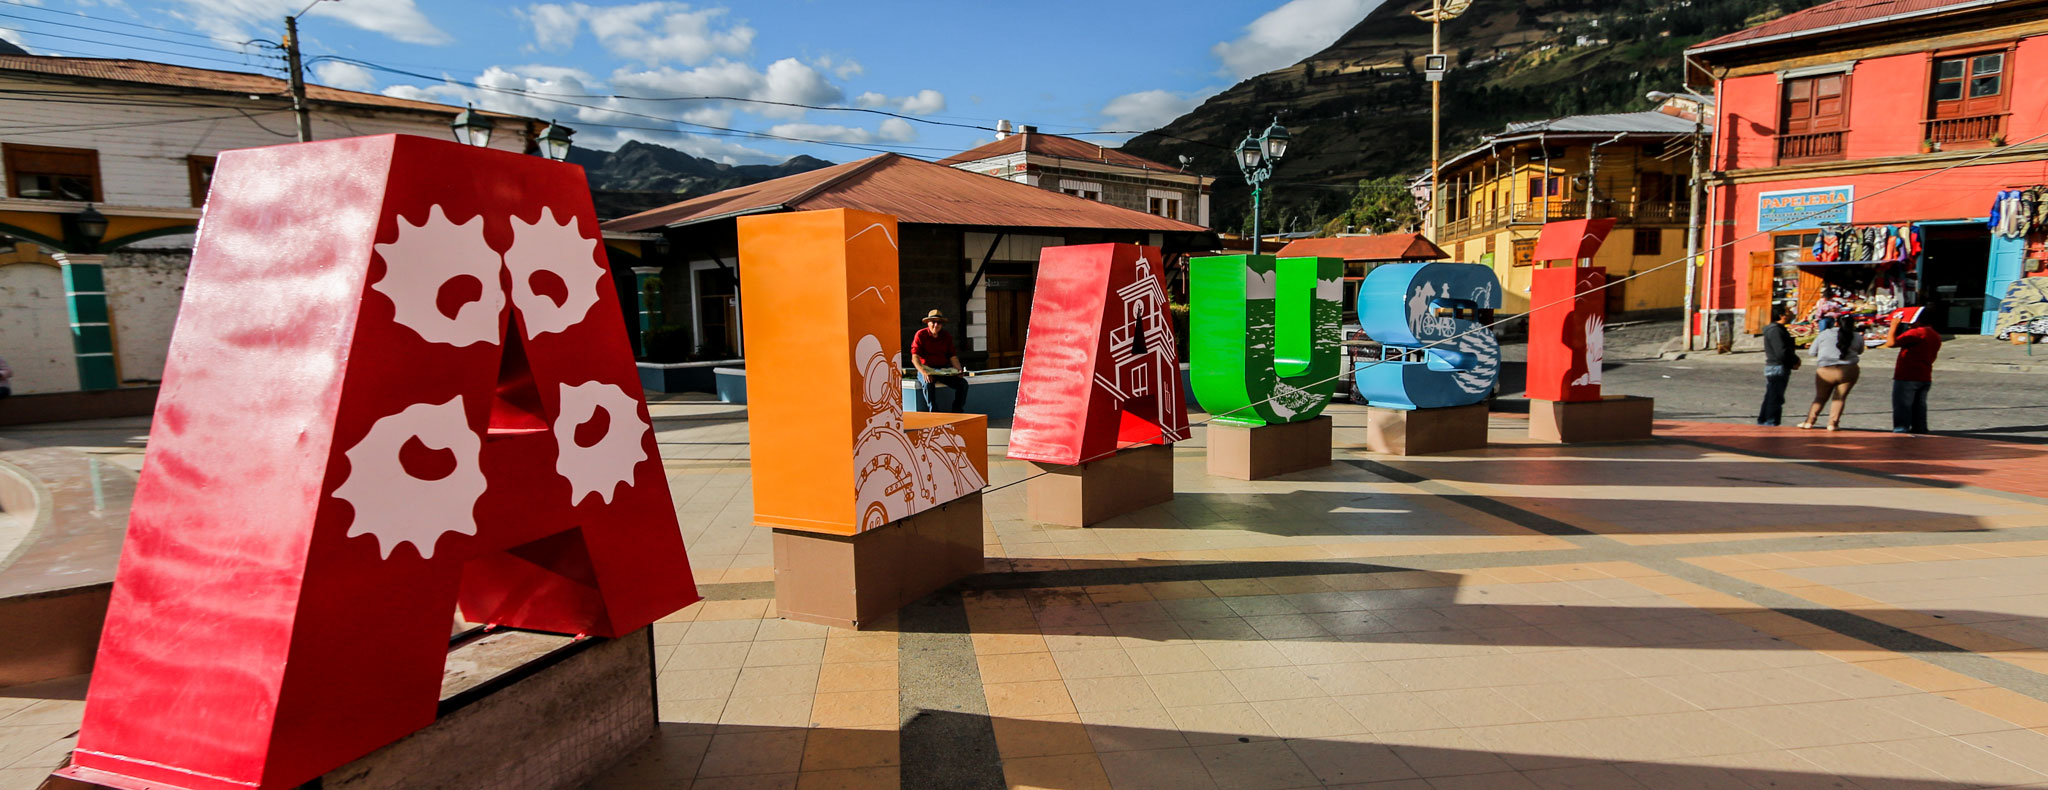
(1378, 205)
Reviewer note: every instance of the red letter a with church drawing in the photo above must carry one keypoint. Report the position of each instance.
(399, 379)
(1101, 370)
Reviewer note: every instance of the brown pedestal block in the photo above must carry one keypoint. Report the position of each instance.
(1077, 496)
(1246, 453)
(1425, 431)
(850, 581)
(1617, 418)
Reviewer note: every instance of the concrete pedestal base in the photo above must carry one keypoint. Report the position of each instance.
(1077, 496)
(518, 709)
(1618, 418)
(1245, 453)
(1425, 431)
(850, 581)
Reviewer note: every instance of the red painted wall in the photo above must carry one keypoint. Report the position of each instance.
(1887, 102)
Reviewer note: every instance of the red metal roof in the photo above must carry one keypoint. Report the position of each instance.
(1384, 247)
(186, 78)
(914, 192)
(1057, 146)
(1839, 13)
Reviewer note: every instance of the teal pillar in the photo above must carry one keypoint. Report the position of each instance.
(650, 308)
(92, 335)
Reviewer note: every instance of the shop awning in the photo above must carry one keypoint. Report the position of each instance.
(1572, 239)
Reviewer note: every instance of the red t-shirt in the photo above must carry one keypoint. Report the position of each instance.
(1917, 348)
(934, 349)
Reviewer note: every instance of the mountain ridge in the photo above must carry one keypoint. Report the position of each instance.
(639, 176)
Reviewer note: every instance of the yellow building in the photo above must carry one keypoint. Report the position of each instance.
(1498, 195)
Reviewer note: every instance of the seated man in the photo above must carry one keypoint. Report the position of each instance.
(931, 350)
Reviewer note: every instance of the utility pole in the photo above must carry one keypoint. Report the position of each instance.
(1692, 224)
(298, 78)
(1439, 10)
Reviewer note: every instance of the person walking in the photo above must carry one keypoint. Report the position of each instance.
(1836, 352)
(1780, 359)
(932, 351)
(1913, 374)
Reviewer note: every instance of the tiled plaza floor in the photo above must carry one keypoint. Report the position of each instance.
(1721, 609)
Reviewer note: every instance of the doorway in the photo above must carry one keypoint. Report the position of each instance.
(1952, 274)
(718, 313)
(1009, 316)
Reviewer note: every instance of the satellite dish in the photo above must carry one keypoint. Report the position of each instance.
(1185, 161)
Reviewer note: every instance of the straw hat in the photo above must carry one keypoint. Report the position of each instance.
(935, 316)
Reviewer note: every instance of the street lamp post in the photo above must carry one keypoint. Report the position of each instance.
(471, 128)
(1436, 64)
(1256, 157)
(1692, 225)
(554, 141)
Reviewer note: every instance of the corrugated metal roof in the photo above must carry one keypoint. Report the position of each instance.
(1840, 13)
(914, 192)
(1384, 247)
(1054, 145)
(142, 72)
(1648, 122)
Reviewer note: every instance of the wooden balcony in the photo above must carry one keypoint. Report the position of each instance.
(1647, 212)
(1971, 129)
(1810, 147)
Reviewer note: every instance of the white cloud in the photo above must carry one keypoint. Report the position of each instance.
(400, 20)
(788, 80)
(893, 130)
(1147, 110)
(924, 102)
(554, 26)
(842, 67)
(606, 124)
(650, 33)
(896, 130)
(346, 76)
(1283, 36)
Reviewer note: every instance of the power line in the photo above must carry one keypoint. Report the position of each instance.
(128, 48)
(102, 31)
(32, 7)
(1760, 232)
(558, 97)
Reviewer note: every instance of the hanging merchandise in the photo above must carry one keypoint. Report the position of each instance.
(1831, 246)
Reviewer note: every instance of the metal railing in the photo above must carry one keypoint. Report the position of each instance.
(1964, 130)
(1535, 213)
(1818, 145)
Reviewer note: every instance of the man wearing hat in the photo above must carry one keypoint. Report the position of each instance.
(931, 350)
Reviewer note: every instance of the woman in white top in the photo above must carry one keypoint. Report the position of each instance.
(1836, 351)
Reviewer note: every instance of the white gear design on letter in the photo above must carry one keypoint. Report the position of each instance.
(396, 507)
(601, 467)
(423, 259)
(544, 245)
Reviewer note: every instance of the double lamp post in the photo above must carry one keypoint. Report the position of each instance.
(1256, 157)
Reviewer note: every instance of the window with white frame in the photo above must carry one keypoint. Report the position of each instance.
(1163, 203)
(1086, 190)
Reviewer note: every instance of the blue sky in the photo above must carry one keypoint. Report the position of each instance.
(1064, 66)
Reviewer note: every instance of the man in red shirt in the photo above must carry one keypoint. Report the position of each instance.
(931, 350)
(1913, 375)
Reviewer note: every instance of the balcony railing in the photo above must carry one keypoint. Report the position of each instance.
(1966, 130)
(1808, 147)
(1648, 212)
